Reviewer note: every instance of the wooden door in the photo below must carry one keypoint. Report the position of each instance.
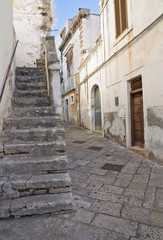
(137, 115)
(98, 122)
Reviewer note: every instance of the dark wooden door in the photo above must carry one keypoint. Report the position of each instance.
(137, 117)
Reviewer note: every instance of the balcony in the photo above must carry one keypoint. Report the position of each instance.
(67, 85)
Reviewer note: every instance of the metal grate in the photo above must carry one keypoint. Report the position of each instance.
(113, 167)
(95, 148)
(79, 142)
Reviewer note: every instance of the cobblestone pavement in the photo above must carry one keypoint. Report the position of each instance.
(118, 195)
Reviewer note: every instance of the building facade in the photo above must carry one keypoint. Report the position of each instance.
(77, 39)
(121, 87)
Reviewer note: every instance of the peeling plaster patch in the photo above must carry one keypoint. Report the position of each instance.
(115, 127)
(155, 116)
(154, 136)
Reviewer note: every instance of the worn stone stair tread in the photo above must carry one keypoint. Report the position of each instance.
(36, 134)
(32, 93)
(41, 111)
(29, 79)
(29, 147)
(28, 85)
(30, 122)
(28, 165)
(32, 101)
(43, 181)
(49, 203)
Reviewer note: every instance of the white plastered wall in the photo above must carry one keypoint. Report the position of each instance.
(7, 42)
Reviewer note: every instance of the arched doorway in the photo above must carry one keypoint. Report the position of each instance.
(96, 108)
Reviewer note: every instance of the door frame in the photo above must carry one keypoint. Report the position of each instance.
(132, 92)
(66, 100)
(93, 106)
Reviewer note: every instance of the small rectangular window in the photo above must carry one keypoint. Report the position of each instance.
(121, 21)
(116, 101)
(72, 99)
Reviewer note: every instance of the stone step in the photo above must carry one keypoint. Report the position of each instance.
(50, 182)
(27, 185)
(36, 205)
(31, 93)
(33, 112)
(32, 122)
(29, 79)
(35, 135)
(31, 86)
(17, 165)
(34, 148)
(33, 101)
(30, 71)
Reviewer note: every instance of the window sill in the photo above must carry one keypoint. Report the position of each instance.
(123, 35)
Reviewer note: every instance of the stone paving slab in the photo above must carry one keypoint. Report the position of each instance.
(109, 205)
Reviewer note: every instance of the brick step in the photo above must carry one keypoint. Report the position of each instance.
(32, 122)
(30, 79)
(35, 135)
(31, 93)
(31, 86)
(36, 205)
(17, 165)
(33, 101)
(33, 112)
(29, 71)
(34, 148)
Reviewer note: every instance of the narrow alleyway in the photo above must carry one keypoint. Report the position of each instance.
(118, 195)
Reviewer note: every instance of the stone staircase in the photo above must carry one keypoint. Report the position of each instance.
(33, 165)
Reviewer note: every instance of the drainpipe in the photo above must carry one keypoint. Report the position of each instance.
(79, 105)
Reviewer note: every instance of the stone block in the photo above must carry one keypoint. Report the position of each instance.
(59, 190)
(59, 180)
(106, 207)
(116, 224)
(5, 208)
(36, 204)
(137, 214)
(149, 197)
(40, 192)
(1, 148)
(156, 218)
(84, 216)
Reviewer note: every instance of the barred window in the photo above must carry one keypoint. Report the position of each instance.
(120, 16)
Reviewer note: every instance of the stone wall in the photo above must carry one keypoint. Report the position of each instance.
(32, 21)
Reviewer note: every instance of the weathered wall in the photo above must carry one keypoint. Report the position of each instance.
(6, 49)
(112, 65)
(154, 142)
(32, 21)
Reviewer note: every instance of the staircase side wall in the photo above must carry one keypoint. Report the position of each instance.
(32, 21)
(7, 42)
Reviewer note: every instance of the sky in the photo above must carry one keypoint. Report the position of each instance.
(65, 9)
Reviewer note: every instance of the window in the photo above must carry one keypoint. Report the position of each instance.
(72, 99)
(121, 20)
(116, 101)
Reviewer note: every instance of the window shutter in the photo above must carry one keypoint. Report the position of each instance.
(124, 14)
(117, 18)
